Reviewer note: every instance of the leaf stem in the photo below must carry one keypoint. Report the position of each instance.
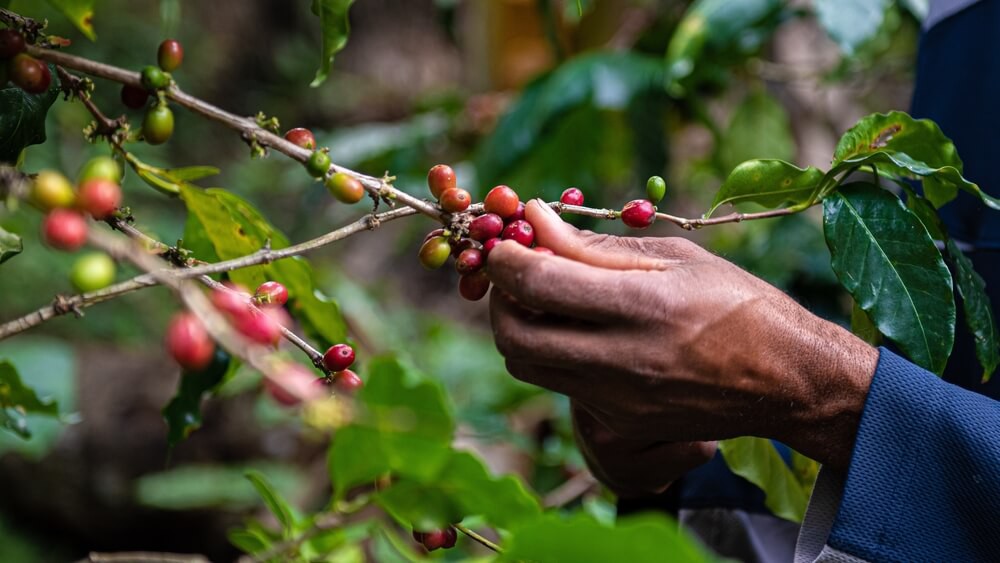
(478, 538)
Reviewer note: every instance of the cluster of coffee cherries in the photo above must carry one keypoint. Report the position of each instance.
(444, 538)
(158, 123)
(342, 186)
(98, 194)
(26, 72)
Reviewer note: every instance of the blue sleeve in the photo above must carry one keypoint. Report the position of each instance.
(924, 478)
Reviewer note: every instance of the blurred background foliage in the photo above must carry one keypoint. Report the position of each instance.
(530, 93)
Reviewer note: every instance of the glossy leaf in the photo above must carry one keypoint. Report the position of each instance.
(978, 310)
(886, 260)
(850, 23)
(863, 327)
(334, 26)
(80, 12)
(17, 400)
(183, 412)
(10, 245)
(757, 461)
(277, 505)
(759, 128)
(770, 183)
(22, 118)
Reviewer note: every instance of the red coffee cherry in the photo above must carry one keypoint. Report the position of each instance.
(517, 216)
(639, 213)
(490, 245)
(543, 250)
(292, 384)
(572, 196)
(134, 97)
(440, 179)
(469, 261)
(435, 252)
(11, 43)
(30, 74)
(455, 200)
(462, 245)
(347, 382)
(271, 293)
(486, 226)
(301, 137)
(345, 188)
(64, 229)
(263, 325)
(188, 342)
(501, 200)
(170, 55)
(474, 286)
(520, 231)
(339, 357)
(437, 539)
(99, 197)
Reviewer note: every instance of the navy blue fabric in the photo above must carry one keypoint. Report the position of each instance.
(958, 86)
(924, 479)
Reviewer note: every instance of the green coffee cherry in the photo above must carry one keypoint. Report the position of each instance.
(318, 164)
(93, 271)
(435, 252)
(655, 189)
(153, 78)
(158, 125)
(100, 168)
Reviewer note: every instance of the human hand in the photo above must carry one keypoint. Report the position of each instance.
(663, 341)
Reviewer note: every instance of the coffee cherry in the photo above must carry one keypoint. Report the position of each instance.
(158, 125)
(64, 229)
(486, 227)
(543, 250)
(11, 43)
(271, 293)
(188, 342)
(30, 74)
(234, 302)
(153, 78)
(572, 196)
(462, 245)
(435, 252)
(263, 325)
(339, 357)
(134, 97)
(455, 200)
(490, 245)
(434, 233)
(292, 384)
(437, 539)
(345, 188)
(469, 261)
(92, 271)
(318, 164)
(517, 216)
(501, 200)
(99, 197)
(474, 286)
(347, 382)
(52, 190)
(101, 167)
(520, 231)
(655, 189)
(302, 137)
(440, 179)
(170, 55)
(638, 213)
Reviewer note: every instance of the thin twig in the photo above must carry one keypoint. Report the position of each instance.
(569, 491)
(143, 557)
(478, 538)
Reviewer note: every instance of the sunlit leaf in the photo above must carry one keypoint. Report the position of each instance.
(80, 12)
(770, 183)
(757, 461)
(335, 28)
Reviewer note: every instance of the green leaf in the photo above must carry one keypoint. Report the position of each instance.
(199, 487)
(183, 412)
(645, 538)
(80, 12)
(767, 182)
(978, 310)
(190, 173)
(850, 22)
(404, 426)
(863, 327)
(10, 245)
(462, 488)
(335, 27)
(277, 505)
(759, 128)
(886, 260)
(17, 400)
(757, 461)
(49, 365)
(22, 118)
(246, 541)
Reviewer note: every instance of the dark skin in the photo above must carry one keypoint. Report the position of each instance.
(664, 348)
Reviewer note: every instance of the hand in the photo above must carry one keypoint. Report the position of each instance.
(663, 341)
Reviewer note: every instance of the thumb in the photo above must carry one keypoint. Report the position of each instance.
(603, 251)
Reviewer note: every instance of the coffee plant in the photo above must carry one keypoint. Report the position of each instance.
(248, 297)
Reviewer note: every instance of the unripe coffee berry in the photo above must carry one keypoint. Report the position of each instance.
(474, 286)
(30, 74)
(271, 293)
(455, 200)
(486, 226)
(501, 200)
(318, 164)
(302, 137)
(345, 188)
(100, 167)
(440, 179)
(153, 78)
(339, 357)
(188, 342)
(92, 271)
(656, 188)
(638, 213)
(134, 97)
(572, 196)
(435, 252)
(170, 55)
(64, 229)
(99, 197)
(347, 381)
(11, 43)
(520, 231)
(490, 245)
(469, 261)
(52, 190)
(158, 124)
